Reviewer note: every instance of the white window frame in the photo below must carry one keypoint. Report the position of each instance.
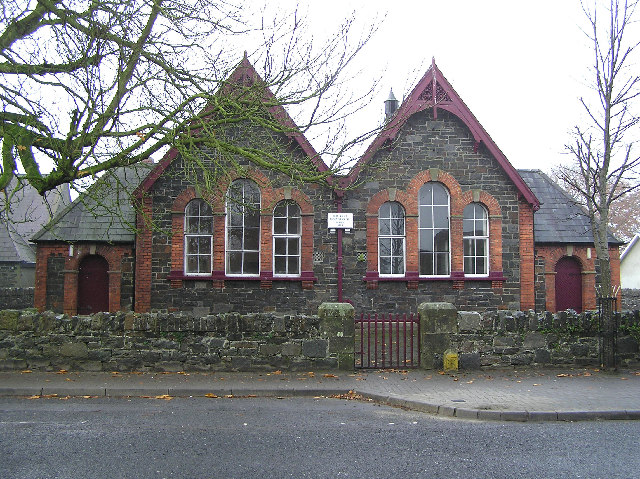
(197, 234)
(474, 239)
(243, 203)
(287, 235)
(431, 229)
(391, 236)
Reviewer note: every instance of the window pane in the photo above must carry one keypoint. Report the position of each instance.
(192, 264)
(426, 217)
(469, 264)
(442, 240)
(398, 265)
(442, 263)
(385, 265)
(280, 210)
(251, 240)
(398, 247)
(426, 242)
(468, 248)
(426, 263)
(384, 227)
(234, 239)
(251, 263)
(440, 196)
(425, 195)
(385, 211)
(204, 264)
(468, 227)
(481, 246)
(293, 265)
(294, 226)
(397, 226)
(294, 246)
(481, 266)
(192, 244)
(440, 216)
(280, 265)
(279, 226)
(385, 246)
(252, 219)
(234, 260)
(280, 246)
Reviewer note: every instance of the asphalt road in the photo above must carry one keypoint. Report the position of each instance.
(299, 438)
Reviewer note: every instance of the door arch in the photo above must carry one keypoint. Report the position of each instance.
(568, 284)
(93, 285)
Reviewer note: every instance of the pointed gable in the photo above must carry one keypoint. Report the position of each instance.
(243, 76)
(435, 92)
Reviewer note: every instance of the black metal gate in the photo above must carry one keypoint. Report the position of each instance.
(391, 341)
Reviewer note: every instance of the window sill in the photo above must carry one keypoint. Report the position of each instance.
(178, 275)
(414, 276)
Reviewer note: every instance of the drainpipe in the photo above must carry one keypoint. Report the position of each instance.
(340, 231)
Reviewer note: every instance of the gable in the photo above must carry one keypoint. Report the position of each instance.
(433, 92)
(245, 75)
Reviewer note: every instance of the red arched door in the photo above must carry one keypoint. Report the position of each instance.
(93, 285)
(568, 284)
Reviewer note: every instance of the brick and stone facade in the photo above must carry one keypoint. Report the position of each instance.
(432, 139)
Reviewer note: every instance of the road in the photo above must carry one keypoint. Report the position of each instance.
(298, 438)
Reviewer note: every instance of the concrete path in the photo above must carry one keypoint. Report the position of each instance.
(507, 395)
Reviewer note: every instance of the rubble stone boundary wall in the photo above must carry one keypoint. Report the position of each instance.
(267, 342)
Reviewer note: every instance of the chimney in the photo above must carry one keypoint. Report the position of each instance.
(390, 106)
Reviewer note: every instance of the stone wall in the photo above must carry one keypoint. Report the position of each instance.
(516, 339)
(16, 298)
(266, 341)
(174, 342)
(630, 299)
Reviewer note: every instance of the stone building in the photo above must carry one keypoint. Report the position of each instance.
(434, 211)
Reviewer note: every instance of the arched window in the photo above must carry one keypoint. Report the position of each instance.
(287, 229)
(433, 218)
(475, 234)
(391, 239)
(243, 228)
(198, 237)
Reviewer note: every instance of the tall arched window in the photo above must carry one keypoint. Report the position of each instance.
(475, 234)
(391, 239)
(433, 217)
(198, 237)
(287, 229)
(243, 228)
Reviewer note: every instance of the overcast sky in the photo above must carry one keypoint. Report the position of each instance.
(519, 66)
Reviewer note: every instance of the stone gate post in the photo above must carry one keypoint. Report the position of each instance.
(337, 326)
(438, 321)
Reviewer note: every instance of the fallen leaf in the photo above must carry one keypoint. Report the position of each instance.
(166, 397)
(563, 375)
(470, 382)
(34, 397)
(455, 379)
(68, 379)
(26, 371)
(277, 372)
(62, 371)
(114, 373)
(210, 395)
(329, 376)
(311, 374)
(624, 379)
(229, 396)
(537, 384)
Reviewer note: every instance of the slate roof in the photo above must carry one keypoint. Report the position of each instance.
(27, 213)
(560, 219)
(103, 213)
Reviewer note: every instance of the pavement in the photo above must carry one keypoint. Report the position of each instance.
(503, 395)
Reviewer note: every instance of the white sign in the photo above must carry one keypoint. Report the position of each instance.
(340, 220)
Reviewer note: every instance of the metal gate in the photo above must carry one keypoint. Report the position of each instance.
(387, 341)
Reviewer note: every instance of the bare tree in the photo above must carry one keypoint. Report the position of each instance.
(603, 153)
(91, 85)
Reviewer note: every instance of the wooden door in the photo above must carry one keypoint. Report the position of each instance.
(568, 284)
(93, 285)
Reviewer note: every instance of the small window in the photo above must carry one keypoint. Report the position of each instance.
(391, 239)
(198, 238)
(243, 228)
(433, 218)
(476, 240)
(287, 229)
